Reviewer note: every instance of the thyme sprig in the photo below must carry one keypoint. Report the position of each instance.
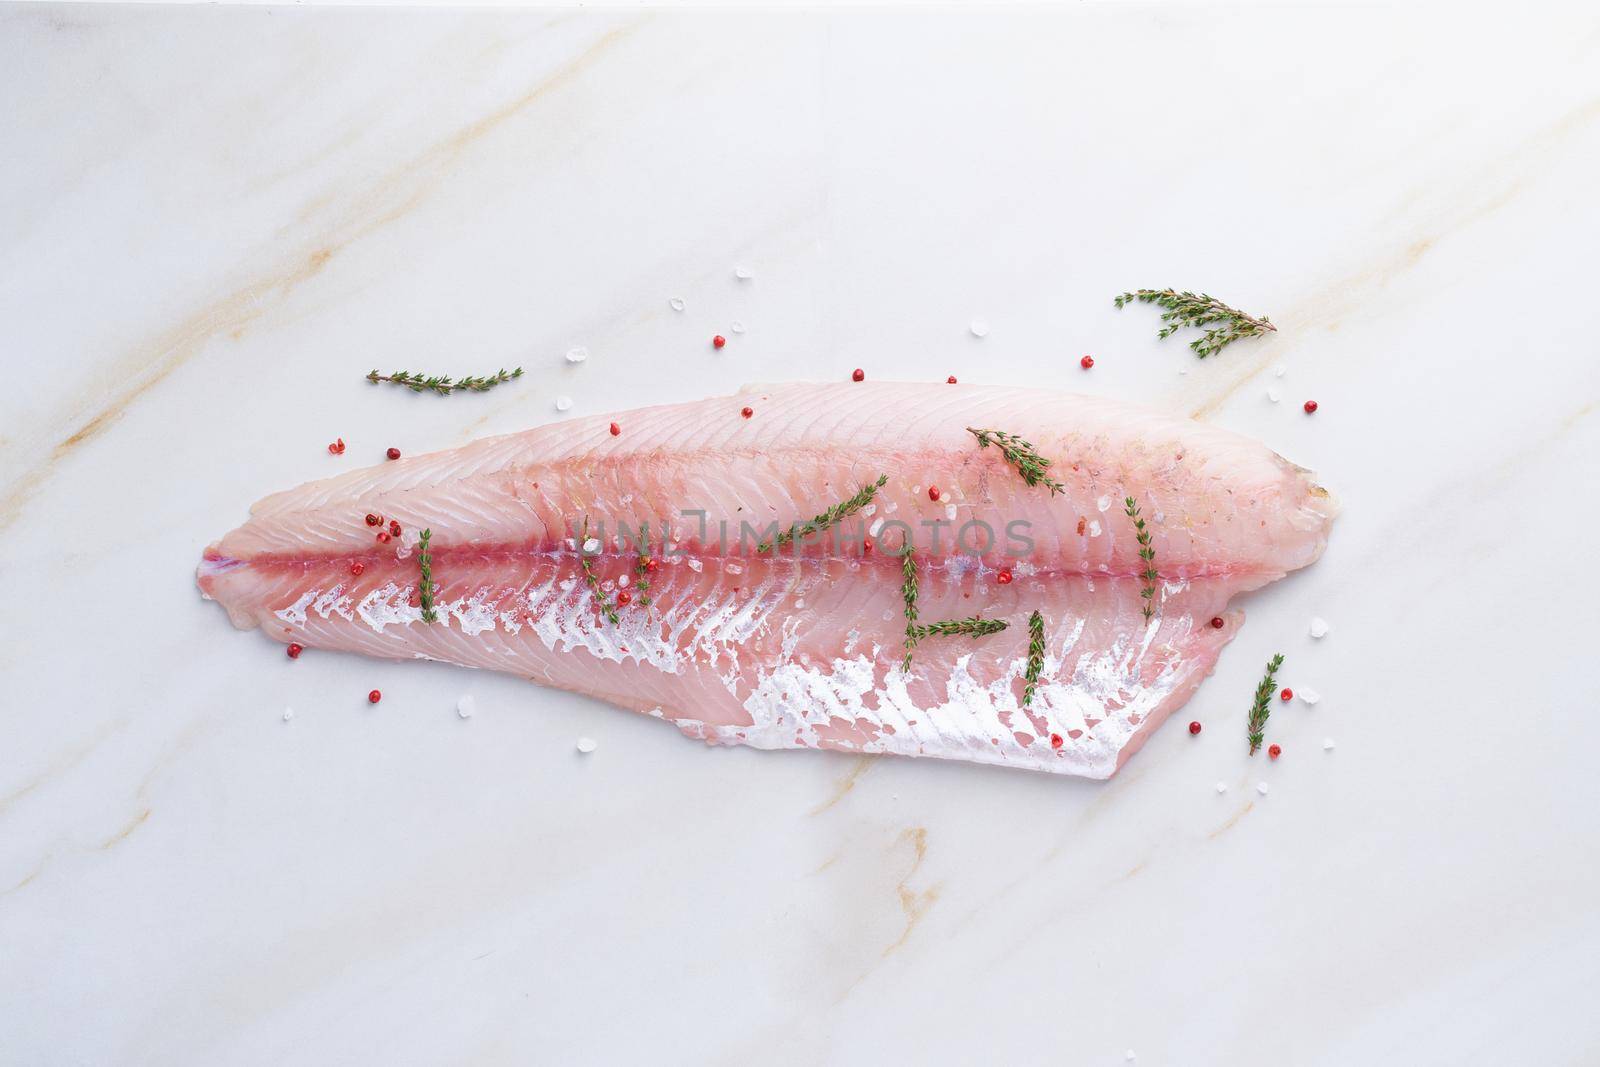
(976, 626)
(425, 565)
(908, 592)
(606, 607)
(641, 567)
(1033, 467)
(444, 385)
(1223, 325)
(827, 518)
(1263, 703)
(1147, 554)
(1035, 657)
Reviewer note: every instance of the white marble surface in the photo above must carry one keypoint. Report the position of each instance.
(214, 221)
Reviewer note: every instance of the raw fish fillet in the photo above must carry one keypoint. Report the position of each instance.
(802, 648)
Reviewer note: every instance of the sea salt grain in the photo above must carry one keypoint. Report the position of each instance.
(563, 403)
(1274, 396)
(1281, 370)
(979, 328)
(736, 326)
(676, 303)
(577, 354)
(1262, 787)
(288, 713)
(1319, 626)
(586, 745)
(1222, 787)
(742, 272)
(1327, 744)
(465, 706)
(592, 545)
(1310, 696)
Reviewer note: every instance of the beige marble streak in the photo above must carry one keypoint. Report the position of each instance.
(1472, 194)
(366, 211)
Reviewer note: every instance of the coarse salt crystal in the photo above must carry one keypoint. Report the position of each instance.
(736, 326)
(1262, 787)
(1104, 503)
(288, 713)
(696, 566)
(741, 272)
(676, 303)
(465, 706)
(979, 328)
(1319, 626)
(592, 545)
(1310, 696)
(563, 403)
(1327, 744)
(577, 354)
(1274, 396)
(1222, 787)
(1094, 528)
(586, 745)
(1280, 370)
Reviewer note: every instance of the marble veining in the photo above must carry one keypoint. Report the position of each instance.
(216, 220)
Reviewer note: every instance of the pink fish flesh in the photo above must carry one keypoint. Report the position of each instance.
(802, 647)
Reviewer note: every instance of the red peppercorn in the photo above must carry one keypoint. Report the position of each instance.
(295, 649)
(1287, 694)
(933, 492)
(1311, 406)
(357, 567)
(624, 598)
(858, 375)
(337, 448)
(1216, 622)
(393, 453)
(373, 520)
(1086, 362)
(651, 564)
(866, 545)
(950, 380)
(394, 527)
(747, 412)
(383, 537)
(1056, 742)
(1004, 577)
(615, 430)
(1275, 751)
(1194, 727)
(718, 341)
(374, 696)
